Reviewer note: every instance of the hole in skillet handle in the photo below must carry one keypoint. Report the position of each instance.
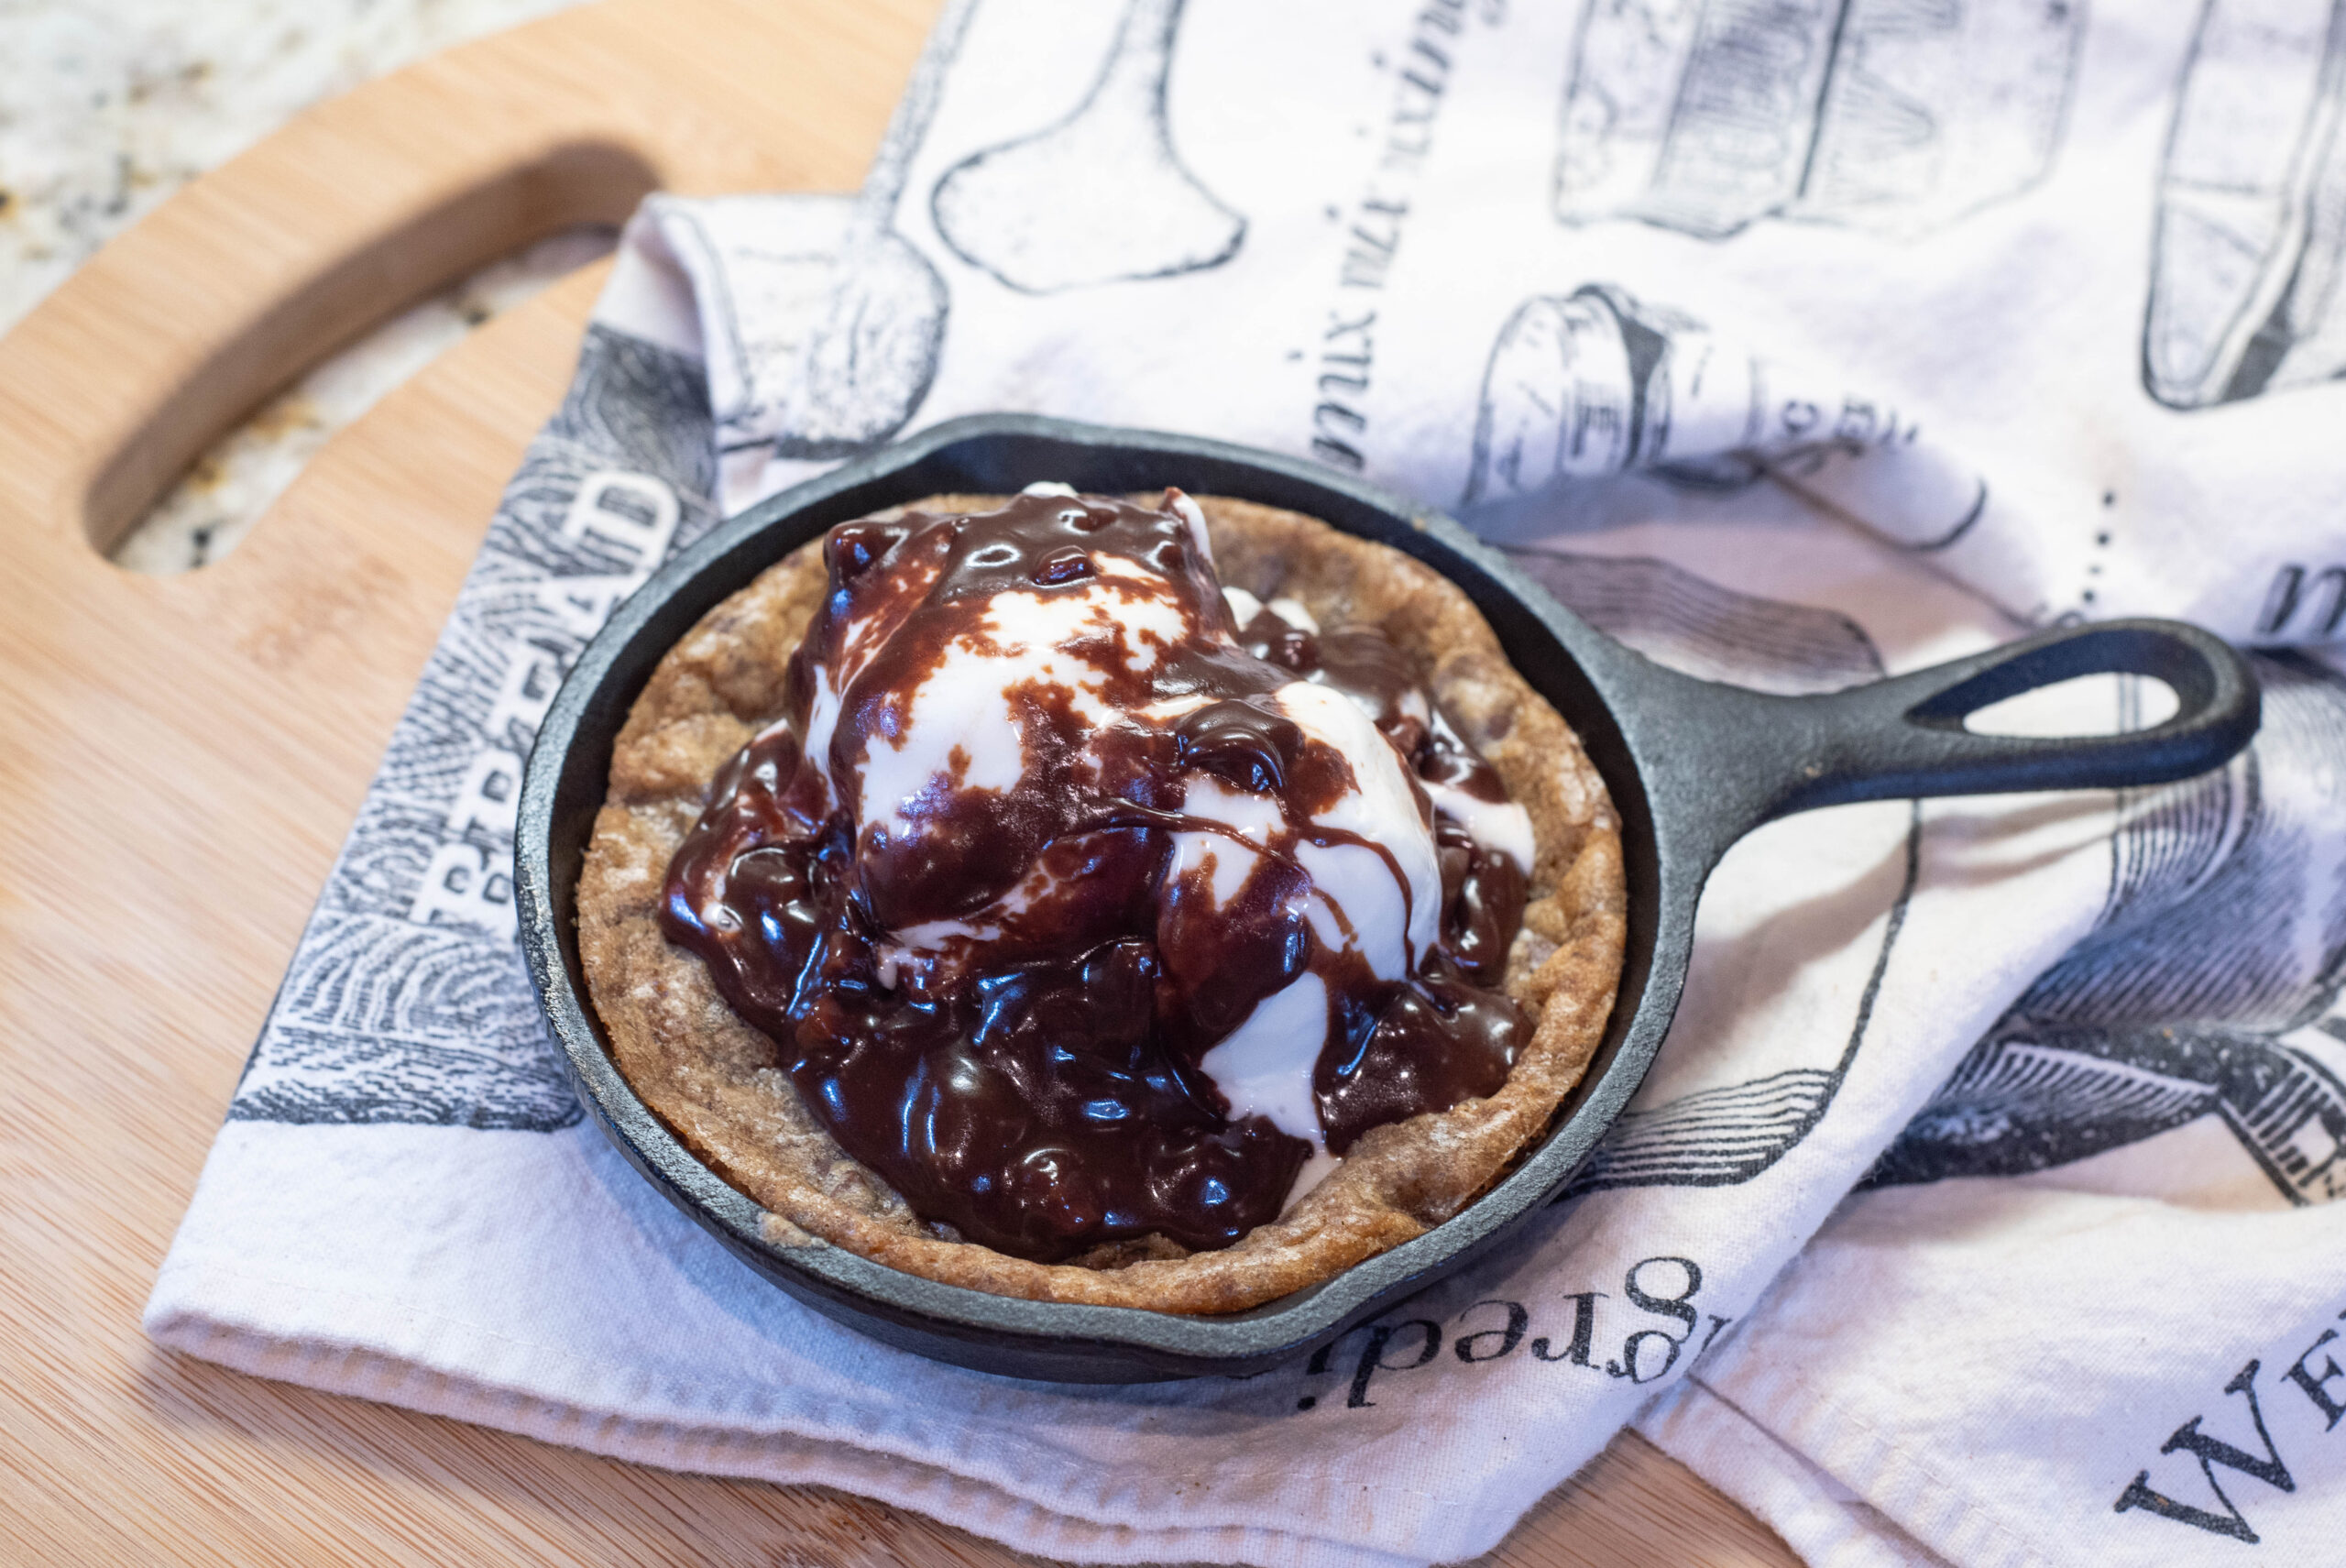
(1596, 684)
(2082, 705)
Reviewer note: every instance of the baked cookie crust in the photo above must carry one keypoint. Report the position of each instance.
(712, 1078)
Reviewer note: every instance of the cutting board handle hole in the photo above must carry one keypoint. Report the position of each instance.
(278, 385)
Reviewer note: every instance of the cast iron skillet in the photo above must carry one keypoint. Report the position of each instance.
(1692, 766)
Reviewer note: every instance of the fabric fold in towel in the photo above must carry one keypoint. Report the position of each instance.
(1978, 1208)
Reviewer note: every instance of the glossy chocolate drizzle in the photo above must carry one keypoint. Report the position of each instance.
(1028, 1073)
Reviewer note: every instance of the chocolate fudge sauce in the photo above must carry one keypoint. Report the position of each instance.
(997, 990)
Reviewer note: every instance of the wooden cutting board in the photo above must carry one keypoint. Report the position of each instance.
(182, 756)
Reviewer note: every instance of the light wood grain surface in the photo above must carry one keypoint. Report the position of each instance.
(181, 757)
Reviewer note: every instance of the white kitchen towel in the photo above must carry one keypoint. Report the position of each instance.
(1791, 345)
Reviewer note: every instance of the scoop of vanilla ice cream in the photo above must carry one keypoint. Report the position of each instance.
(1081, 658)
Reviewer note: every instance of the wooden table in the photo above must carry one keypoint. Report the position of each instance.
(182, 756)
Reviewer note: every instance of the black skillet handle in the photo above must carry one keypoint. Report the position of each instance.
(1762, 757)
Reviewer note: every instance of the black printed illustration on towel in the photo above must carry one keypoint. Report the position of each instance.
(406, 1000)
(2251, 238)
(761, 284)
(1597, 382)
(1898, 117)
(2304, 606)
(1729, 1134)
(864, 366)
(1100, 197)
(1594, 383)
(2209, 988)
